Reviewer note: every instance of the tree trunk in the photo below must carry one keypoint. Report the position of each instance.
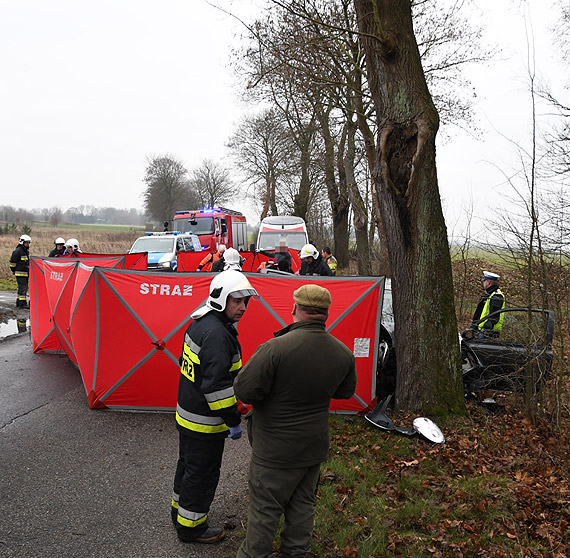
(427, 350)
(370, 148)
(301, 201)
(336, 192)
(360, 215)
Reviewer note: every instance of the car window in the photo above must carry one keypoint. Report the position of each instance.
(520, 327)
(153, 244)
(387, 310)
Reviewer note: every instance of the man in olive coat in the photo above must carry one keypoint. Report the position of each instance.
(290, 384)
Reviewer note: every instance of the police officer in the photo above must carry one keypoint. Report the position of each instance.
(207, 411)
(491, 301)
(59, 249)
(20, 267)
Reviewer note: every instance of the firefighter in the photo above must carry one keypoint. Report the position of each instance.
(72, 248)
(20, 267)
(59, 249)
(312, 262)
(491, 301)
(207, 411)
(230, 260)
(206, 263)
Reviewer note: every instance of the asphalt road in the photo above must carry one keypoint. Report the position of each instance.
(76, 482)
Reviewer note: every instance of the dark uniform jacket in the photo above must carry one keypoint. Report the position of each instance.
(317, 267)
(210, 360)
(56, 253)
(20, 262)
(290, 384)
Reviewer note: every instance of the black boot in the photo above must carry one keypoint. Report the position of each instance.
(210, 535)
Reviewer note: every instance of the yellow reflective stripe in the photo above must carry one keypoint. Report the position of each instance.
(223, 403)
(175, 504)
(21, 273)
(24, 258)
(235, 366)
(203, 428)
(186, 522)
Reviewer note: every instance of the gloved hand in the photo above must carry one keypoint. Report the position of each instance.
(235, 432)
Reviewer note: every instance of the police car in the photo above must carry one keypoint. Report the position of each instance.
(162, 248)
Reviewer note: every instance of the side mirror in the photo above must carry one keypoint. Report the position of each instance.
(468, 334)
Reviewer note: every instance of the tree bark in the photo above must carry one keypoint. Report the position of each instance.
(336, 191)
(427, 349)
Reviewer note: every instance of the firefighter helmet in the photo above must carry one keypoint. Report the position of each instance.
(308, 250)
(232, 258)
(73, 243)
(59, 240)
(227, 283)
(25, 238)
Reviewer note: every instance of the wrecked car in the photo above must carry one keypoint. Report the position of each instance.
(523, 350)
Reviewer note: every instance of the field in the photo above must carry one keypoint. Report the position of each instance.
(98, 239)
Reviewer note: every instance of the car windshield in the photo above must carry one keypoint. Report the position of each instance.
(294, 239)
(153, 244)
(387, 311)
(196, 225)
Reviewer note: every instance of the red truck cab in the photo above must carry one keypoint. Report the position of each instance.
(214, 226)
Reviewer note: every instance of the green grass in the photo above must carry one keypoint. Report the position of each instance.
(8, 284)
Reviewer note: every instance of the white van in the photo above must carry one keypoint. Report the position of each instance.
(273, 230)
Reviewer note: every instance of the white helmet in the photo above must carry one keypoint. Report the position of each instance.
(25, 238)
(221, 248)
(232, 258)
(73, 243)
(59, 240)
(308, 250)
(227, 283)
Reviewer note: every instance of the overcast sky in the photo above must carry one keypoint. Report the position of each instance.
(91, 89)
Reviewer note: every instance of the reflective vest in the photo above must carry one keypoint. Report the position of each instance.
(485, 312)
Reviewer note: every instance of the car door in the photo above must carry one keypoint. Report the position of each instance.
(524, 345)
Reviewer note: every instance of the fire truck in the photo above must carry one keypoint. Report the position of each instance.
(213, 226)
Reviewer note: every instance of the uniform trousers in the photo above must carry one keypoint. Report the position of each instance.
(195, 482)
(22, 282)
(275, 492)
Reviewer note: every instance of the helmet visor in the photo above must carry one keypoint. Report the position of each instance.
(245, 292)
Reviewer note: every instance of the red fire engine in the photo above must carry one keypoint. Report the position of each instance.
(215, 225)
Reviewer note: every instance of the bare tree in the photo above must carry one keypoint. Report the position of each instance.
(166, 187)
(264, 150)
(427, 351)
(211, 181)
(56, 215)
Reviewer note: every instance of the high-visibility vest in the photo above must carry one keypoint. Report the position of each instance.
(485, 312)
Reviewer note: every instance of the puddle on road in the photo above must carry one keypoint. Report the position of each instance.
(11, 327)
